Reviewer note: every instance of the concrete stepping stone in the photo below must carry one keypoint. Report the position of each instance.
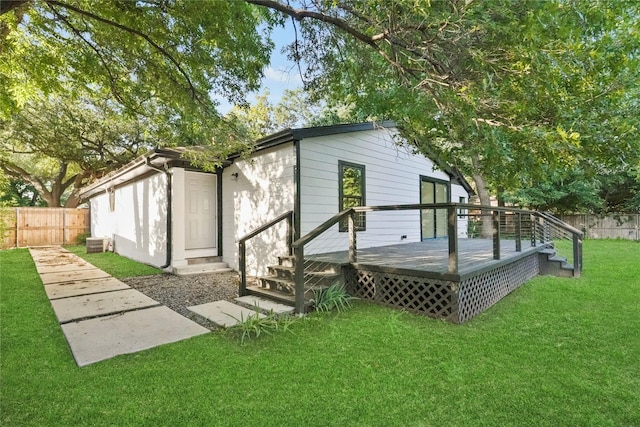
(60, 268)
(223, 313)
(265, 305)
(73, 276)
(102, 338)
(81, 307)
(84, 287)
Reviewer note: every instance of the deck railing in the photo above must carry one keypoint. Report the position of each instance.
(517, 225)
(242, 245)
(507, 226)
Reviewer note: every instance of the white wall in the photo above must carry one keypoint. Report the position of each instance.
(392, 174)
(264, 189)
(137, 225)
(458, 191)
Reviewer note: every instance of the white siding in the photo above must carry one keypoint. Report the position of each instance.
(392, 174)
(458, 191)
(137, 225)
(264, 189)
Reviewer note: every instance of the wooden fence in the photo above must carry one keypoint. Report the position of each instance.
(615, 226)
(21, 227)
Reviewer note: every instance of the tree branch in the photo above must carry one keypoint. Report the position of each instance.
(163, 52)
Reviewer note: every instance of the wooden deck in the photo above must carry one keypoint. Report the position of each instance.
(431, 256)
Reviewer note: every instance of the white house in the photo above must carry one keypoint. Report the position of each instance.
(161, 211)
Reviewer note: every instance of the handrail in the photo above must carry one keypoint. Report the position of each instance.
(452, 210)
(242, 249)
(265, 227)
(321, 228)
(559, 223)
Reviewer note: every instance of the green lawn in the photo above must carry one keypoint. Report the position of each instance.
(114, 264)
(556, 352)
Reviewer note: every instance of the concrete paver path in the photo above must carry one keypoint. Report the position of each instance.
(100, 316)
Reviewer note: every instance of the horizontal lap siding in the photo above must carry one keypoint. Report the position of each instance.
(137, 226)
(263, 190)
(392, 177)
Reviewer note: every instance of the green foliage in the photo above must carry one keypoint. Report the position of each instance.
(510, 92)
(256, 324)
(114, 264)
(82, 238)
(554, 352)
(335, 297)
(296, 108)
(85, 86)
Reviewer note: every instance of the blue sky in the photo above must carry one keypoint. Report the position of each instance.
(280, 75)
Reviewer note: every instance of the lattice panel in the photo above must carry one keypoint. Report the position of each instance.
(480, 292)
(417, 294)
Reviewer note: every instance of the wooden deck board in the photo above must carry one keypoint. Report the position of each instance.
(431, 255)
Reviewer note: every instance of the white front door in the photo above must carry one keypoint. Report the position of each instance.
(201, 209)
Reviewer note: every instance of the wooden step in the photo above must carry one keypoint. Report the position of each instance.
(326, 277)
(277, 296)
(288, 286)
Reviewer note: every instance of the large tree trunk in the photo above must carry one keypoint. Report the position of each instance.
(484, 196)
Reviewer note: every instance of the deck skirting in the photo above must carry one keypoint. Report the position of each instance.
(455, 300)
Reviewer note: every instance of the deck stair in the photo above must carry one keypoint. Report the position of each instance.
(552, 264)
(279, 284)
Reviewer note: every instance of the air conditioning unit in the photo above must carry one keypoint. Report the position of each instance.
(97, 244)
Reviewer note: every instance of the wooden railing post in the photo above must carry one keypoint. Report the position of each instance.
(299, 279)
(496, 234)
(290, 232)
(452, 232)
(242, 266)
(534, 224)
(577, 255)
(519, 232)
(353, 256)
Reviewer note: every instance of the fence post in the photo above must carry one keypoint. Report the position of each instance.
(353, 256)
(452, 231)
(577, 255)
(242, 261)
(496, 234)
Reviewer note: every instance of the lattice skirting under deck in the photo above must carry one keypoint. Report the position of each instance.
(477, 293)
(454, 301)
(421, 295)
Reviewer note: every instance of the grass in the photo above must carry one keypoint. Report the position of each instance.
(556, 352)
(114, 264)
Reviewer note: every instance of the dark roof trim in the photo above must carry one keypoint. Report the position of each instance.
(297, 134)
(134, 169)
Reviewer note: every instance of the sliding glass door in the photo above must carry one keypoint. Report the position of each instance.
(433, 221)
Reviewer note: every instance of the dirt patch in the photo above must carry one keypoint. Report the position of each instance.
(180, 292)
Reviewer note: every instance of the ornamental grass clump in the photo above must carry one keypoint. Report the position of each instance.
(334, 297)
(256, 324)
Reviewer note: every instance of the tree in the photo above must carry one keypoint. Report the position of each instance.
(158, 60)
(296, 108)
(507, 91)
(57, 145)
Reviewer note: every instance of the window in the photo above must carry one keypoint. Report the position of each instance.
(351, 181)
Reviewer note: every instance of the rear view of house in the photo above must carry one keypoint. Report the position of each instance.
(161, 211)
